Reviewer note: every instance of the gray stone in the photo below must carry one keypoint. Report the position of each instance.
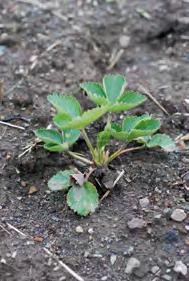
(136, 223)
(142, 270)
(157, 218)
(144, 202)
(128, 251)
(181, 268)
(167, 277)
(79, 229)
(124, 41)
(132, 264)
(178, 215)
(155, 270)
(113, 259)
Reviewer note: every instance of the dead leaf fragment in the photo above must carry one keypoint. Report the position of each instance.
(38, 239)
(32, 190)
(1, 91)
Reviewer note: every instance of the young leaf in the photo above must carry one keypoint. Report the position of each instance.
(130, 122)
(113, 86)
(56, 147)
(60, 119)
(71, 136)
(83, 200)
(49, 136)
(65, 104)
(128, 100)
(60, 181)
(85, 119)
(163, 141)
(103, 138)
(94, 92)
(144, 128)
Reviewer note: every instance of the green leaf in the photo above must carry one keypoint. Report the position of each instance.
(83, 199)
(65, 104)
(132, 98)
(128, 101)
(113, 86)
(163, 141)
(60, 119)
(86, 118)
(94, 92)
(61, 181)
(130, 122)
(49, 136)
(103, 139)
(144, 128)
(56, 147)
(71, 136)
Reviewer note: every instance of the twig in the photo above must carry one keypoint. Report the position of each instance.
(147, 93)
(1, 91)
(67, 268)
(118, 178)
(48, 49)
(44, 7)
(11, 125)
(117, 56)
(5, 229)
(16, 229)
(105, 195)
(82, 159)
(28, 149)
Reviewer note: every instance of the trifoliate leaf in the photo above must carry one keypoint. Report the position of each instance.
(60, 119)
(163, 141)
(85, 119)
(95, 92)
(65, 104)
(103, 138)
(113, 86)
(144, 128)
(83, 199)
(60, 181)
(49, 136)
(71, 136)
(132, 98)
(130, 122)
(127, 101)
(56, 147)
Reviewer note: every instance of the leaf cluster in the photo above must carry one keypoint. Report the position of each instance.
(71, 120)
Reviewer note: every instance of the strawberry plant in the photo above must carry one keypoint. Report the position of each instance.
(71, 121)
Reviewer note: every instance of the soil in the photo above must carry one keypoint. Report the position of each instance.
(52, 47)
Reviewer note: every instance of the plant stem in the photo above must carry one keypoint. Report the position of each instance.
(123, 151)
(80, 158)
(88, 142)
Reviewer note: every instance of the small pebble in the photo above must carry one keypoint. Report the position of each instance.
(79, 229)
(187, 227)
(167, 277)
(178, 215)
(131, 265)
(136, 223)
(128, 251)
(180, 267)
(172, 236)
(90, 230)
(155, 270)
(144, 202)
(104, 278)
(113, 259)
(124, 41)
